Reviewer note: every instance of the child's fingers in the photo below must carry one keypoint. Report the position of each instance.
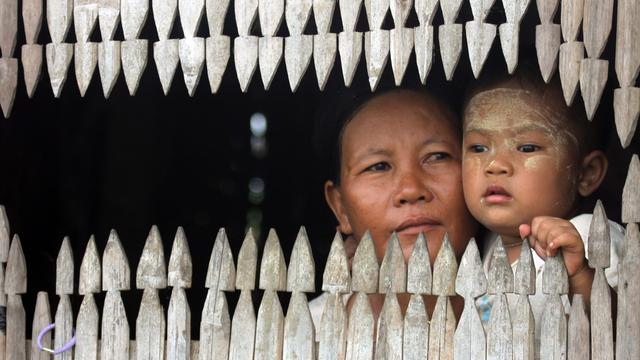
(525, 231)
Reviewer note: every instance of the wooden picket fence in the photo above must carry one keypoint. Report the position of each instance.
(341, 335)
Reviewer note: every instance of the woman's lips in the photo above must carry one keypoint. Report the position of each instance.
(415, 226)
(496, 195)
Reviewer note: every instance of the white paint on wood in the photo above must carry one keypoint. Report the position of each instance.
(134, 15)
(108, 16)
(191, 12)
(164, 14)
(216, 14)
(270, 13)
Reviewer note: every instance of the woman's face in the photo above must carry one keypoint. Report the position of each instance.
(400, 172)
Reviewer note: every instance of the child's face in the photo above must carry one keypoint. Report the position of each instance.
(400, 172)
(519, 161)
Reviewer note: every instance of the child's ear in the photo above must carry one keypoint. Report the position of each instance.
(592, 171)
(334, 199)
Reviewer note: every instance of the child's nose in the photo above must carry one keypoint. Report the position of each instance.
(412, 188)
(499, 166)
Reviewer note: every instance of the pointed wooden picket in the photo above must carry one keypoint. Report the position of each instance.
(216, 12)
(32, 13)
(273, 270)
(523, 329)
(500, 277)
(41, 318)
(297, 13)
(191, 12)
(469, 339)
(243, 327)
(444, 273)
(390, 327)
(151, 272)
(360, 329)
(332, 334)
(626, 99)
(245, 13)
(419, 268)
(64, 269)
(365, 266)
(64, 326)
(441, 329)
(221, 272)
(400, 46)
(299, 332)
(335, 278)
(601, 326)
(553, 330)
(166, 57)
(270, 51)
(8, 84)
(376, 12)
(596, 25)
(217, 53)
(15, 281)
(578, 330)
(247, 262)
(450, 40)
(85, 60)
(59, 15)
(322, 14)
(150, 327)
(393, 271)
(16, 327)
(349, 14)
(471, 281)
(115, 266)
(628, 320)
(178, 325)
(499, 330)
(415, 338)
(599, 238)
(554, 277)
(245, 57)
(423, 44)
(133, 14)
(215, 327)
(192, 56)
(108, 65)
(5, 235)
(626, 108)
(631, 193)
(115, 326)
(269, 327)
(376, 53)
(180, 266)
(90, 270)
(298, 50)
(350, 49)
(134, 61)
(301, 273)
(593, 79)
(325, 47)
(87, 330)
(571, 56)
(85, 18)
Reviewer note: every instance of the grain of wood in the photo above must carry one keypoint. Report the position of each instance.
(269, 328)
(423, 44)
(299, 332)
(628, 321)
(115, 328)
(390, 327)
(243, 328)
(325, 47)
(415, 339)
(166, 58)
(499, 330)
(221, 272)
(115, 266)
(627, 57)
(376, 12)
(393, 270)
(192, 54)
(85, 18)
(217, 53)
(350, 48)
(578, 330)
(245, 13)
(365, 269)
(216, 13)
(510, 44)
(450, 40)
(134, 61)
(178, 326)
(15, 281)
(400, 10)
(626, 108)
(108, 65)
(376, 54)
(164, 14)
(297, 13)
(515, 9)
(523, 329)
(87, 330)
(469, 340)
(571, 55)
(480, 36)
(400, 48)
(8, 84)
(441, 330)
(85, 60)
(150, 327)
(215, 327)
(152, 272)
(58, 59)
(554, 277)
(191, 12)
(64, 269)
(419, 268)
(444, 270)
(270, 13)
(360, 329)
(599, 238)
(547, 10)
(596, 25)
(134, 15)
(32, 12)
(426, 10)
(108, 16)
(59, 15)
(5, 235)
(180, 266)
(90, 270)
(64, 327)
(525, 272)
(335, 278)
(41, 318)
(247, 262)
(301, 272)
(593, 79)
(349, 14)
(471, 281)
(332, 334)
(270, 51)
(298, 50)
(571, 18)
(450, 10)
(553, 341)
(631, 193)
(16, 327)
(548, 39)
(273, 270)
(601, 327)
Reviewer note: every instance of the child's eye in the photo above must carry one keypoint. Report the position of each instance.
(377, 167)
(528, 148)
(437, 156)
(478, 148)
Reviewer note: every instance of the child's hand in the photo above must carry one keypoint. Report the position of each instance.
(548, 234)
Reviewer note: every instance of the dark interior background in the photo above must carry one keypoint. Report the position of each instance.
(80, 166)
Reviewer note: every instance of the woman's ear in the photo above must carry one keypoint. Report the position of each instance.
(334, 199)
(592, 171)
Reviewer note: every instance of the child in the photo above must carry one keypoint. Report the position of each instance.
(528, 160)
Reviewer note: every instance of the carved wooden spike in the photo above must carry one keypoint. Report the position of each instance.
(571, 18)
(525, 273)
(419, 268)
(499, 332)
(350, 48)
(553, 342)
(441, 330)
(393, 271)
(301, 272)
(554, 277)
(8, 84)
(297, 14)
(401, 46)
(626, 107)
(335, 278)
(243, 329)
(108, 16)
(216, 13)
(515, 10)
(9, 27)
(191, 52)
(64, 326)
(134, 61)
(245, 13)
(215, 327)
(376, 12)
(349, 13)
(450, 40)
(108, 65)
(599, 238)
(58, 59)
(299, 333)
(426, 10)
(134, 15)
(115, 328)
(322, 14)
(269, 328)
(16, 328)
(191, 12)
(627, 48)
(115, 266)
(631, 193)
(85, 18)
(547, 10)
(444, 270)
(423, 44)
(87, 330)
(325, 47)
(593, 78)
(509, 42)
(479, 39)
(247, 261)
(415, 342)
(64, 269)
(152, 271)
(178, 325)
(376, 53)
(270, 13)
(547, 47)
(165, 54)
(150, 327)
(59, 14)
(481, 8)
(270, 51)
(628, 324)
(41, 318)
(571, 54)
(471, 281)
(273, 270)
(221, 272)
(31, 57)
(90, 271)
(400, 11)
(523, 329)
(596, 25)
(390, 326)
(450, 9)
(32, 20)
(180, 266)
(297, 56)
(332, 334)
(5, 235)
(164, 13)
(360, 331)
(365, 266)
(85, 61)
(500, 275)
(578, 330)
(469, 341)
(15, 281)
(217, 53)
(601, 327)
(245, 57)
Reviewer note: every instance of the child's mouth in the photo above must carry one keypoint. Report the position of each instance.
(496, 195)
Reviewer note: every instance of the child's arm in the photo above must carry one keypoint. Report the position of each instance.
(550, 234)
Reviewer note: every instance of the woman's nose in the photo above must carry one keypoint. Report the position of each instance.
(499, 166)
(411, 188)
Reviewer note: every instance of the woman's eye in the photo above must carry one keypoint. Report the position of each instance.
(478, 148)
(438, 156)
(381, 166)
(528, 148)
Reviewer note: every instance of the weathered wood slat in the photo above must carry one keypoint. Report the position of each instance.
(444, 271)
(360, 329)
(64, 327)
(180, 266)
(85, 61)
(426, 10)
(626, 108)
(523, 329)
(150, 327)
(553, 332)
(548, 39)
(441, 330)
(390, 327)
(152, 272)
(500, 277)
(5, 235)
(499, 330)
(547, 10)
(8, 84)
(596, 25)
(350, 48)
(525, 273)
(571, 55)
(269, 328)
(115, 328)
(298, 50)
(108, 16)
(85, 15)
(415, 339)
(393, 271)
(87, 330)
(243, 328)
(178, 326)
(31, 58)
(215, 327)
(247, 262)
(627, 57)
(58, 60)
(593, 78)
(164, 14)
(15, 281)
(470, 279)
(273, 270)
(376, 12)
(192, 54)
(16, 327)
(480, 36)
(601, 327)
(166, 58)
(115, 266)
(578, 330)
(134, 14)
(134, 61)
(108, 65)
(299, 332)
(41, 318)
(631, 193)
(297, 14)
(245, 56)
(571, 17)
(419, 268)
(349, 13)
(191, 12)
(400, 47)
(335, 278)
(64, 269)
(450, 40)
(32, 13)
(423, 44)
(245, 12)
(628, 320)
(376, 53)
(332, 334)
(400, 11)
(216, 13)
(554, 277)
(59, 15)
(221, 272)
(599, 238)
(90, 270)
(469, 339)
(301, 272)
(270, 13)
(322, 13)
(325, 47)
(217, 53)
(365, 267)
